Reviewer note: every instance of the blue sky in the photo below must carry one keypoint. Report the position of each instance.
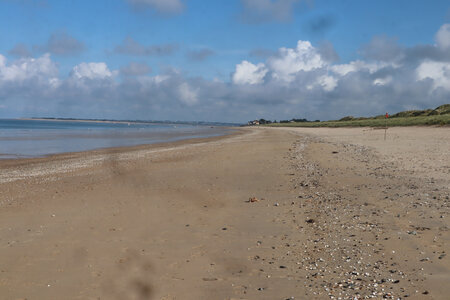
(221, 60)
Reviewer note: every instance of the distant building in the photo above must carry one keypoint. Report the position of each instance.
(254, 122)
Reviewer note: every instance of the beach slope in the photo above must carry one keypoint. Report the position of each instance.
(331, 215)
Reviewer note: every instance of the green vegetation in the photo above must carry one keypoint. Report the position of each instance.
(438, 116)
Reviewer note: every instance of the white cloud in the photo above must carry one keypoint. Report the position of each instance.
(297, 82)
(443, 37)
(327, 82)
(439, 72)
(344, 69)
(187, 94)
(290, 61)
(383, 81)
(248, 73)
(92, 71)
(356, 66)
(27, 68)
(159, 78)
(54, 82)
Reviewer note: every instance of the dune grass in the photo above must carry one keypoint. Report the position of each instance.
(376, 122)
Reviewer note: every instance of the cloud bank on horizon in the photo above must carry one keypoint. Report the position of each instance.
(306, 80)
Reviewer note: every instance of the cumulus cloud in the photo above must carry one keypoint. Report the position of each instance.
(438, 72)
(199, 55)
(356, 66)
(290, 61)
(263, 11)
(131, 47)
(28, 68)
(394, 79)
(438, 52)
(93, 70)
(383, 80)
(328, 83)
(187, 94)
(248, 73)
(292, 82)
(61, 44)
(26, 83)
(443, 37)
(424, 52)
(164, 7)
(135, 69)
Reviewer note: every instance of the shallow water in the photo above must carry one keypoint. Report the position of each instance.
(34, 138)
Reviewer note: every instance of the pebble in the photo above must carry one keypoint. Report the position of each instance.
(348, 233)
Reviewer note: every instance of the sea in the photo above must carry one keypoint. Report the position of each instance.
(37, 138)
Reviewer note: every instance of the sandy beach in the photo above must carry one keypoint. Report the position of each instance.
(335, 214)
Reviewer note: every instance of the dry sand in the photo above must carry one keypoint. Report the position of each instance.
(340, 213)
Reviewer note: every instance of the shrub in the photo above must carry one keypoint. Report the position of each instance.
(348, 118)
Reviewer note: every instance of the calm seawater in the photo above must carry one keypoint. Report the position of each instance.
(34, 138)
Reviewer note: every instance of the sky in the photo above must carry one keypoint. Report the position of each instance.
(222, 60)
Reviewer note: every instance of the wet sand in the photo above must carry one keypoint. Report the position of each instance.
(335, 216)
